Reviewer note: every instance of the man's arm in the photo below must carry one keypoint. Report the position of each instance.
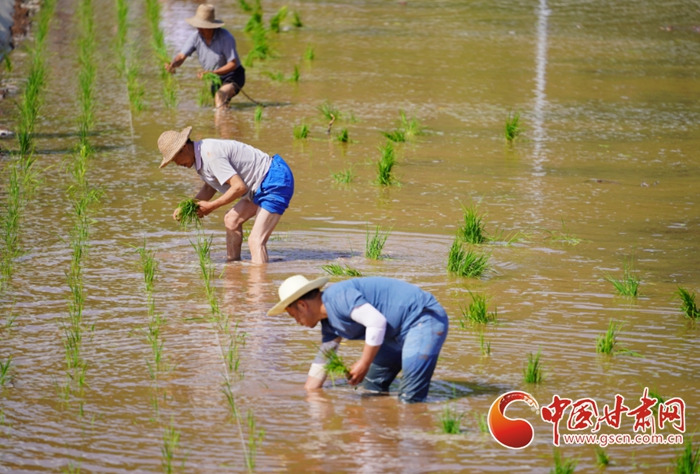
(317, 373)
(223, 70)
(237, 189)
(375, 328)
(206, 193)
(176, 63)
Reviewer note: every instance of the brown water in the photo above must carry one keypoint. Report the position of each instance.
(609, 94)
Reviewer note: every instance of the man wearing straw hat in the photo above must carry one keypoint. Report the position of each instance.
(216, 50)
(403, 328)
(265, 185)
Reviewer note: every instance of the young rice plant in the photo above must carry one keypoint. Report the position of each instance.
(374, 243)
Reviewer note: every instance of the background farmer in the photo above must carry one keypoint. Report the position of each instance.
(403, 327)
(265, 185)
(216, 50)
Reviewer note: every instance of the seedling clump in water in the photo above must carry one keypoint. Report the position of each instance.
(606, 343)
(477, 312)
(512, 128)
(466, 263)
(472, 231)
(338, 270)
(533, 370)
(628, 285)
(301, 131)
(450, 420)
(344, 176)
(188, 213)
(386, 163)
(562, 465)
(374, 244)
(689, 461)
(688, 305)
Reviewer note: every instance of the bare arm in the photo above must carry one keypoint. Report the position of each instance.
(223, 70)
(206, 193)
(176, 63)
(317, 374)
(360, 368)
(237, 189)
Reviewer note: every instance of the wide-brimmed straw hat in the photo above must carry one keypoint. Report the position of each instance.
(294, 288)
(205, 18)
(171, 142)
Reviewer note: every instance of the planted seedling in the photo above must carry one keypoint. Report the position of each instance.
(278, 18)
(187, 213)
(255, 437)
(411, 127)
(601, 457)
(301, 131)
(397, 136)
(466, 263)
(336, 269)
(296, 20)
(5, 372)
(606, 343)
(476, 312)
(450, 420)
(295, 75)
(472, 230)
(688, 305)
(512, 128)
(564, 236)
(210, 84)
(481, 422)
(171, 441)
(343, 136)
(628, 285)
(258, 113)
(344, 176)
(562, 465)
(385, 165)
(330, 113)
(374, 244)
(309, 53)
(533, 369)
(689, 461)
(484, 346)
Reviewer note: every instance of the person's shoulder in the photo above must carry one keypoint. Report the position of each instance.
(224, 33)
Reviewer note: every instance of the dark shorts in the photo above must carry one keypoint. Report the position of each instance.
(237, 78)
(277, 188)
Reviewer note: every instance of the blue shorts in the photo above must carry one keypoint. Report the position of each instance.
(277, 188)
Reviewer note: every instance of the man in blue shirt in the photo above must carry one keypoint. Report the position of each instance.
(216, 50)
(403, 328)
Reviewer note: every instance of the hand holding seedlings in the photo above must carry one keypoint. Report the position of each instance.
(360, 368)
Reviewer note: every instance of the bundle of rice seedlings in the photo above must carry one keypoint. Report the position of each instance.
(188, 213)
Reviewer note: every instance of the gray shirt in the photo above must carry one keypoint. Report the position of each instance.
(221, 51)
(217, 161)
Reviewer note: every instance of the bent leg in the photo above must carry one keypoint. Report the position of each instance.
(384, 369)
(265, 223)
(224, 94)
(233, 220)
(420, 354)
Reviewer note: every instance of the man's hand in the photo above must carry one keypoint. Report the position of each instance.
(201, 74)
(358, 371)
(205, 208)
(170, 68)
(176, 214)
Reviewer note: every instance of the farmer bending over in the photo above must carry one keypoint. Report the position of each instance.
(265, 185)
(403, 327)
(216, 50)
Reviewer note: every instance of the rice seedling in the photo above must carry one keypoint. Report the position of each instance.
(168, 84)
(601, 457)
(187, 213)
(606, 343)
(258, 114)
(689, 461)
(374, 243)
(343, 136)
(335, 366)
(255, 21)
(336, 269)
(472, 230)
(385, 165)
(278, 18)
(688, 305)
(562, 465)
(5, 372)
(533, 370)
(275, 76)
(309, 53)
(411, 127)
(629, 284)
(481, 422)
(296, 20)
(149, 265)
(134, 87)
(450, 420)
(295, 75)
(476, 312)
(260, 49)
(71, 468)
(466, 263)
(564, 236)
(171, 441)
(396, 136)
(344, 176)
(245, 6)
(512, 129)
(301, 131)
(255, 438)
(210, 84)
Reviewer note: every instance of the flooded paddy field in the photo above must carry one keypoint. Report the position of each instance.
(605, 173)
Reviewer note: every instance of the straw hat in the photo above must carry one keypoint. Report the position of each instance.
(171, 142)
(292, 289)
(205, 18)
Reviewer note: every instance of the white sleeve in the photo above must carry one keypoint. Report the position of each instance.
(373, 320)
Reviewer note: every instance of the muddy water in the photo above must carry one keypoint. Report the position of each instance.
(608, 92)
